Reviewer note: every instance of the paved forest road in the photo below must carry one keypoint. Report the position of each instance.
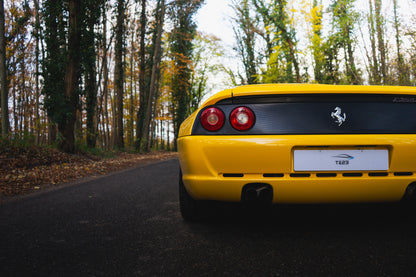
(128, 224)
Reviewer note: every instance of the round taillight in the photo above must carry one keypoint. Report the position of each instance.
(212, 119)
(242, 118)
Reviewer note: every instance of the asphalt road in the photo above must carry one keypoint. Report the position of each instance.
(128, 224)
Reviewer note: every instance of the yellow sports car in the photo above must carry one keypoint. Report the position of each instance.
(300, 144)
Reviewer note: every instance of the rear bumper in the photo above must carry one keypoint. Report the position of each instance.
(218, 167)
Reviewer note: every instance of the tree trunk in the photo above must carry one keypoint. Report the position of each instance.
(245, 36)
(37, 89)
(131, 126)
(106, 117)
(24, 97)
(380, 38)
(145, 146)
(375, 75)
(91, 82)
(119, 74)
(106, 122)
(142, 73)
(66, 127)
(403, 76)
(15, 119)
(51, 131)
(263, 10)
(318, 56)
(352, 70)
(3, 77)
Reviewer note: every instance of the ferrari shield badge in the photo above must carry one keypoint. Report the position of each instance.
(338, 116)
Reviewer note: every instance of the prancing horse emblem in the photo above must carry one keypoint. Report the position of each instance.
(337, 115)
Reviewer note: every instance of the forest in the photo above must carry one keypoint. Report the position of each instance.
(124, 74)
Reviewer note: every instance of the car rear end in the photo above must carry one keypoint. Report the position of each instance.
(302, 144)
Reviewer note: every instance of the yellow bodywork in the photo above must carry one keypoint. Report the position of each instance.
(269, 158)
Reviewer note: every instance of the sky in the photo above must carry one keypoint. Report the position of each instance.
(214, 18)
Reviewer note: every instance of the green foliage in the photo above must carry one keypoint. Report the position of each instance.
(317, 41)
(331, 72)
(54, 63)
(87, 150)
(344, 18)
(276, 68)
(92, 12)
(17, 140)
(59, 106)
(181, 43)
(281, 42)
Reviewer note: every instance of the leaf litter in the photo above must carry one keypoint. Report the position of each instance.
(24, 170)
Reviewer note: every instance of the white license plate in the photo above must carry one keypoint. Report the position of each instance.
(340, 160)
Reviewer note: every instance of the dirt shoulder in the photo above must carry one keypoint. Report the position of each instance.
(23, 171)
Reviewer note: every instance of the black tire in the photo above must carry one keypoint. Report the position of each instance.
(409, 198)
(189, 207)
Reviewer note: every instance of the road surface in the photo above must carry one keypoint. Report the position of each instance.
(128, 224)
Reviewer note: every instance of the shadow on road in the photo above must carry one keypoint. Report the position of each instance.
(313, 217)
(312, 240)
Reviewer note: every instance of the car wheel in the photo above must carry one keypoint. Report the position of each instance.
(409, 198)
(189, 207)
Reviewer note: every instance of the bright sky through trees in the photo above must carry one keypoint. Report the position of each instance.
(215, 17)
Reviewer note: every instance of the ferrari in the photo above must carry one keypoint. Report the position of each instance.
(299, 144)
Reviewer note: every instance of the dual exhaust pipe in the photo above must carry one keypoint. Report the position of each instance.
(257, 193)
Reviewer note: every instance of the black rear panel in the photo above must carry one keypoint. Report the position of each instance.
(322, 114)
